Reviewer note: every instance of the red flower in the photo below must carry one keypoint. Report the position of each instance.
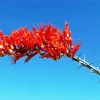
(48, 41)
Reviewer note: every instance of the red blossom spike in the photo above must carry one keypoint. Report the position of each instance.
(48, 41)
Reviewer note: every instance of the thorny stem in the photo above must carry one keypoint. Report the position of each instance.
(86, 64)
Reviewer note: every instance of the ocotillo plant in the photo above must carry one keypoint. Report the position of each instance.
(47, 41)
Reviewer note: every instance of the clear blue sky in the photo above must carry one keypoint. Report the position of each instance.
(45, 79)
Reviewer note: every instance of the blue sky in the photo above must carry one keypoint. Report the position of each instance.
(45, 79)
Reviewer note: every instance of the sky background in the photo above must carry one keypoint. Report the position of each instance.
(45, 79)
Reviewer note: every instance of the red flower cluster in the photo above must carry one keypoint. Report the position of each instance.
(48, 41)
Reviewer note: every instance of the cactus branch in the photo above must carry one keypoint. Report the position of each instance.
(86, 64)
(47, 41)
